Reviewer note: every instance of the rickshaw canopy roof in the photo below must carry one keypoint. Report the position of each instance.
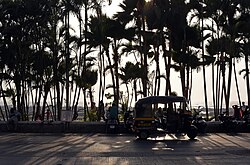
(159, 99)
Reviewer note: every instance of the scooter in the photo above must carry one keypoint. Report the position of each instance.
(128, 123)
(199, 122)
(246, 118)
(112, 126)
(228, 123)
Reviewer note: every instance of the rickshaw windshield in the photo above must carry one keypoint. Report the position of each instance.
(149, 106)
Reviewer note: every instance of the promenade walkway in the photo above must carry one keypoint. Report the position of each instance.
(122, 149)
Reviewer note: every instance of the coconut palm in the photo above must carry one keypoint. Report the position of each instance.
(227, 22)
(157, 14)
(130, 74)
(17, 26)
(242, 27)
(133, 12)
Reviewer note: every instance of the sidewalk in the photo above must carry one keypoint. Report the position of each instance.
(122, 149)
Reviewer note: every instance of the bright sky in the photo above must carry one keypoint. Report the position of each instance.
(113, 8)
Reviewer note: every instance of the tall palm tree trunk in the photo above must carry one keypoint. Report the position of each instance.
(145, 61)
(116, 63)
(214, 91)
(135, 89)
(205, 89)
(236, 82)
(100, 64)
(227, 97)
(247, 79)
(67, 59)
(157, 73)
(167, 59)
(203, 66)
(5, 102)
(84, 58)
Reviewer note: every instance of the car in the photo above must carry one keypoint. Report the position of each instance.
(163, 114)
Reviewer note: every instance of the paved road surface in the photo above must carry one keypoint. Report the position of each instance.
(102, 149)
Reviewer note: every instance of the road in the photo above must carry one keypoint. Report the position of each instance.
(62, 149)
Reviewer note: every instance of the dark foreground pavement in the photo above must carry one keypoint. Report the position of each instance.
(102, 149)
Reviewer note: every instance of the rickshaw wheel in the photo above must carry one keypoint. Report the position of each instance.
(143, 135)
(192, 132)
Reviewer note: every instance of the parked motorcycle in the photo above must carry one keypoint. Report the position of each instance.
(229, 123)
(112, 126)
(240, 121)
(199, 122)
(128, 121)
(246, 119)
(112, 122)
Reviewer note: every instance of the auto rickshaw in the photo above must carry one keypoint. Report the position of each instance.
(163, 114)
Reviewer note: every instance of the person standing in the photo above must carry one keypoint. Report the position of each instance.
(113, 114)
(14, 117)
(244, 109)
(101, 113)
(93, 112)
(48, 114)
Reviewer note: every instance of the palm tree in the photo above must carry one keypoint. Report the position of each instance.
(242, 27)
(98, 36)
(141, 24)
(134, 11)
(17, 28)
(227, 23)
(130, 74)
(157, 14)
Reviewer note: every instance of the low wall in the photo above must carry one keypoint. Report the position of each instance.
(89, 127)
(55, 127)
(58, 127)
